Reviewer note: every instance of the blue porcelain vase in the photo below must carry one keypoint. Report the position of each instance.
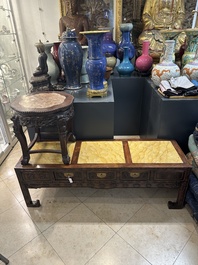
(108, 44)
(96, 61)
(125, 68)
(125, 28)
(70, 55)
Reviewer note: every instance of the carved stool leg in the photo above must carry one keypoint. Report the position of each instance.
(62, 129)
(71, 136)
(18, 130)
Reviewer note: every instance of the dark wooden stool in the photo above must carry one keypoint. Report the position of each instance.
(43, 109)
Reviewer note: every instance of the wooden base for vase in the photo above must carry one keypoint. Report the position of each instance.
(98, 93)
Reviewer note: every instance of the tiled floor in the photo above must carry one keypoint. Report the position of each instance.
(93, 227)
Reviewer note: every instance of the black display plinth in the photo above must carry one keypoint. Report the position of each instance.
(133, 106)
(128, 95)
(168, 118)
(93, 117)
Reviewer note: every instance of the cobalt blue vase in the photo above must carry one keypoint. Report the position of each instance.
(125, 68)
(96, 61)
(70, 55)
(108, 44)
(125, 28)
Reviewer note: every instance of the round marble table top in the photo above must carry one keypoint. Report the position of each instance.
(42, 102)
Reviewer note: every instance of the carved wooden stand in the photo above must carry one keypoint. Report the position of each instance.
(44, 109)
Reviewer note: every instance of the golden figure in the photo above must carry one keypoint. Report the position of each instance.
(73, 20)
(160, 15)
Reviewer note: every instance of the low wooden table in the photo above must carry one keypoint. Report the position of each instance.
(109, 164)
(39, 110)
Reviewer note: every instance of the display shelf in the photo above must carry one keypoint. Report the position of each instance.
(13, 81)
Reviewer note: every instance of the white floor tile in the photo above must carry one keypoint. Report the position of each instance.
(78, 236)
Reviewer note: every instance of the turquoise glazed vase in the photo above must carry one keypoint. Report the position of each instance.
(70, 55)
(96, 61)
(125, 68)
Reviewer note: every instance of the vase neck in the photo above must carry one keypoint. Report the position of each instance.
(126, 36)
(126, 54)
(145, 47)
(108, 37)
(95, 45)
(169, 50)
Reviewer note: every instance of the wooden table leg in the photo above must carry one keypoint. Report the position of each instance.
(18, 130)
(26, 193)
(180, 202)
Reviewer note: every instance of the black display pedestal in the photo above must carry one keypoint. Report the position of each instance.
(133, 106)
(165, 118)
(93, 117)
(128, 95)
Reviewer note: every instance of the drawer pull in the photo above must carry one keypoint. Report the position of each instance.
(101, 175)
(134, 174)
(69, 176)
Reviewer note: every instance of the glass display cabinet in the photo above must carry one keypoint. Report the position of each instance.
(12, 76)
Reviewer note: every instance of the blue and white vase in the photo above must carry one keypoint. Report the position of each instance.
(125, 68)
(126, 29)
(96, 62)
(70, 55)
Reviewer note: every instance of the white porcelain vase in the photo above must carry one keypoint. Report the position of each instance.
(191, 69)
(166, 68)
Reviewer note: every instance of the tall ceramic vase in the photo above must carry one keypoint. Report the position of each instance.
(53, 69)
(166, 69)
(192, 40)
(144, 62)
(191, 69)
(126, 29)
(56, 59)
(70, 55)
(84, 79)
(125, 68)
(109, 48)
(96, 62)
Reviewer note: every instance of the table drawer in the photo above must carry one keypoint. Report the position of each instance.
(168, 176)
(69, 178)
(101, 179)
(101, 174)
(135, 175)
(31, 176)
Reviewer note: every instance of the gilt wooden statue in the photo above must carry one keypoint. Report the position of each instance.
(160, 15)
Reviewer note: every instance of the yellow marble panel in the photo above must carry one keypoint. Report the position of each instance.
(104, 152)
(49, 158)
(153, 152)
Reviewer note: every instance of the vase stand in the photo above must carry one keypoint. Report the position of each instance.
(98, 93)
